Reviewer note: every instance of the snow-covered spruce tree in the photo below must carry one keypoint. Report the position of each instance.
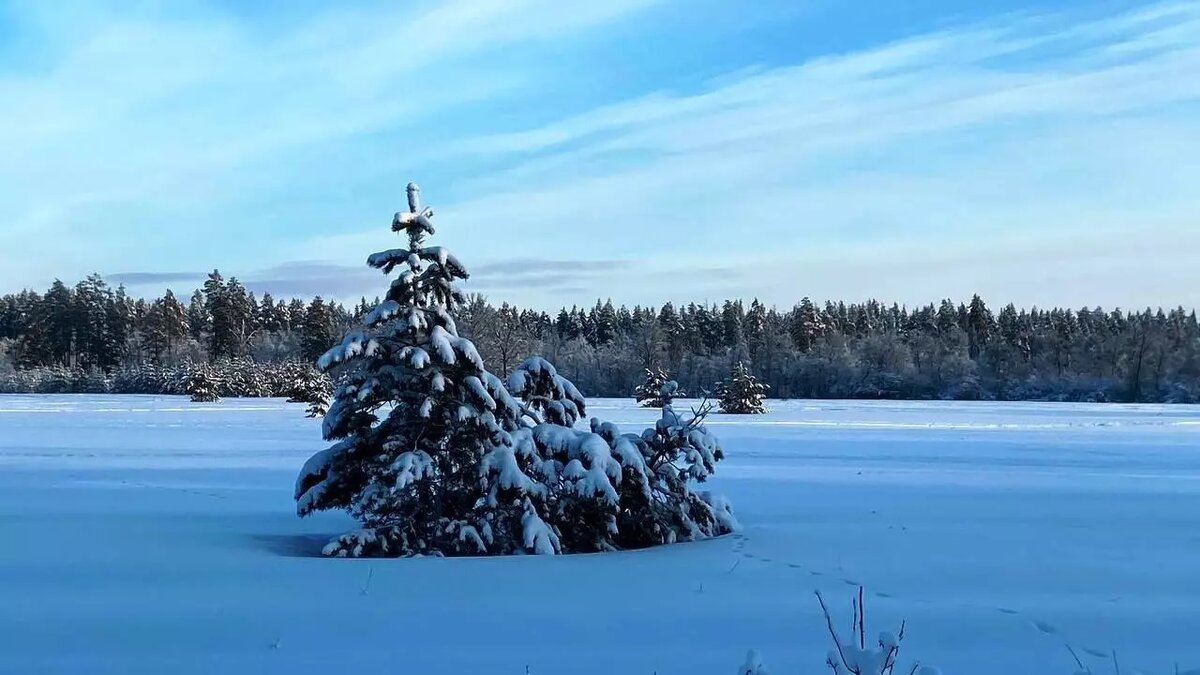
(654, 501)
(432, 453)
(306, 385)
(584, 474)
(435, 455)
(662, 508)
(742, 394)
(657, 389)
(202, 383)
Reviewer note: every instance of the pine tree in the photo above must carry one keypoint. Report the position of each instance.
(657, 390)
(742, 393)
(269, 318)
(603, 323)
(562, 325)
(199, 320)
(232, 314)
(54, 338)
(980, 325)
(316, 330)
(806, 325)
(435, 455)
(732, 314)
(164, 324)
(755, 327)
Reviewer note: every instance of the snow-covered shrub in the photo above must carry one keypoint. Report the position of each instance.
(537, 382)
(243, 378)
(657, 390)
(879, 386)
(854, 655)
(143, 379)
(17, 382)
(969, 389)
(236, 378)
(1181, 393)
(202, 383)
(1068, 388)
(679, 449)
(90, 381)
(742, 394)
(435, 455)
(303, 384)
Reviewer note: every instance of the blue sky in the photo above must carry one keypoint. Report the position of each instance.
(643, 150)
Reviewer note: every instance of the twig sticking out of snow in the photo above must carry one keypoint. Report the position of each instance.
(366, 589)
(861, 612)
(1078, 663)
(837, 642)
(852, 659)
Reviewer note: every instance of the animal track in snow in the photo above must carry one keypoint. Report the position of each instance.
(1045, 627)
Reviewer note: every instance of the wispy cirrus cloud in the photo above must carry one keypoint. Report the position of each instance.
(188, 132)
(309, 278)
(522, 267)
(144, 278)
(1038, 127)
(870, 168)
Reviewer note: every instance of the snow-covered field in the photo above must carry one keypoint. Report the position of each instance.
(152, 535)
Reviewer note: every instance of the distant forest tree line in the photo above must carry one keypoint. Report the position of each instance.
(84, 337)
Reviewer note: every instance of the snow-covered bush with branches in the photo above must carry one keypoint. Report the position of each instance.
(1181, 393)
(855, 655)
(237, 378)
(202, 383)
(242, 377)
(306, 385)
(742, 394)
(537, 382)
(677, 450)
(657, 390)
(435, 455)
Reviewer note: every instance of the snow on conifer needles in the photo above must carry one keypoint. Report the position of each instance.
(743, 393)
(435, 455)
(657, 389)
